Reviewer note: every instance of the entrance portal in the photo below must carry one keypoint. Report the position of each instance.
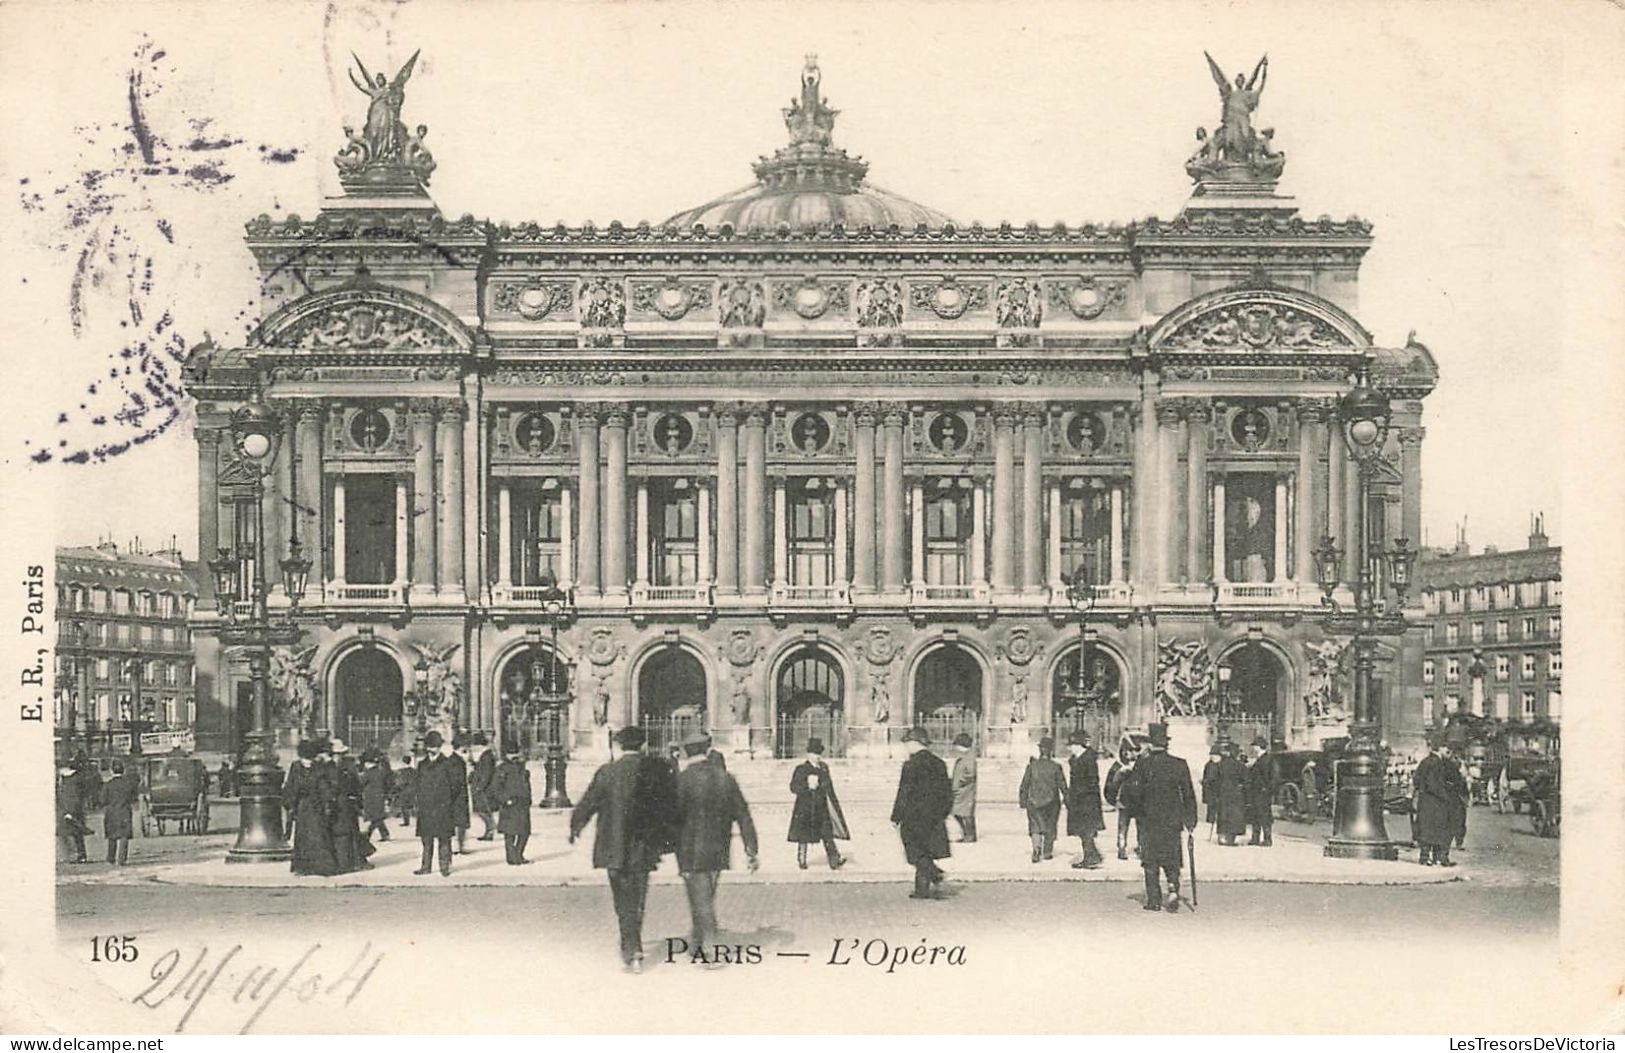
(367, 698)
(533, 700)
(1252, 698)
(948, 696)
(1092, 703)
(672, 697)
(809, 704)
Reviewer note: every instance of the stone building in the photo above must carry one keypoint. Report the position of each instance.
(1494, 627)
(124, 649)
(809, 459)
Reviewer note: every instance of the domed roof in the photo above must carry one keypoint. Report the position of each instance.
(810, 183)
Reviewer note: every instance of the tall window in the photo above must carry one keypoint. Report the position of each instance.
(1529, 628)
(1503, 667)
(1452, 633)
(1527, 667)
(675, 518)
(1528, 705)
(1427, 711)
(1503, 630)
(535, 532)
(1452, 670)
(1427, 671)
(369, 529)
(1086, 529)
(1554, 704)
(1554, 625)
(1249, 527)
(812, 531)
(244, 544)
(948, 532)
(1554, 665)
(1477, 632)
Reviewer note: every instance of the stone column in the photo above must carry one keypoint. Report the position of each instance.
(614, 517)
(781, 534)
(566, 536)
(588, 579)
(1196, 436)
(1004, 503)
(641, 558)
(1170, 546)
(978, 534)
(1303, 505)
(892, 512)
(917, 549)
(338, 529)
(279, 509)
(403, 527)
(1144, 569)
(753, 574)
(423, 500)
(840, 534)
(1280, 529)
(1219, 573)
(1032, 501)
(1336, 486)
(310, 492)
(1410, 456)
(863, 502)
(449, 449)
(208, 515)
(1055, 530)
(728, 554)
(1351, 519)
(704, 539)
(1120, 569)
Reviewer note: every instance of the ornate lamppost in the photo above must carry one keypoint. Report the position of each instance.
(259, 777)
(419, 698)
(555, 764)
(1358, 831)
(1080, 592)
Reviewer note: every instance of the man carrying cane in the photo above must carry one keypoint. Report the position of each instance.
(1161, 795)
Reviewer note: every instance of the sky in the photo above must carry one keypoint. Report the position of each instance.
(1447, 125)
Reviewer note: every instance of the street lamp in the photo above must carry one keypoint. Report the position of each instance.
(420, 701)
(1080, 591)
(555, 765)
(1358, 831)
(259, 777)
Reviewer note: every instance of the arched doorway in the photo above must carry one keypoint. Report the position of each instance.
(1092, 702)
(672, 697)
(809, 702)
(948, 695)
(1252, 695)
(367, 692)
(533, 699)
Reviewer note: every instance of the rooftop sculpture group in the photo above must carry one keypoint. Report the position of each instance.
(1234, 152)
(384, 153)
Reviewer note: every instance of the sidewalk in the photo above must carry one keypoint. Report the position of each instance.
(1002, 853)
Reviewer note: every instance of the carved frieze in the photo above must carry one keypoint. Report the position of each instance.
(1088, 297)
(671, 299)
(602, 304)
(532, 300)
(1019, 305)
(880, 303)
(741, 304)
(811, 298)
(359, 327)
(1255, 327)
(947, 298)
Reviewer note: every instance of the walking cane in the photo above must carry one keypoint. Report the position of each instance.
(1190, 843)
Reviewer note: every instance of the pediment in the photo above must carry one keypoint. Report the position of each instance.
(365, 317)
(1259, 321)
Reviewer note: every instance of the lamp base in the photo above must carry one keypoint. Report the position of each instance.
(1357, 819)
(260, 837)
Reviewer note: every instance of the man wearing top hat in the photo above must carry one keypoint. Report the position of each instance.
(1230, 794)
(816, 817)
(634, 801)
(925, 797)
(709, 805)
(510, 791)
(480, 774)
(1261, 782)
(461, 806)
(1084, 816)
(1164, 801)
(964, 781)
(1437, 787)
(436, 790)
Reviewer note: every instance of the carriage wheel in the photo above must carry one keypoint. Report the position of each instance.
(1290, 798)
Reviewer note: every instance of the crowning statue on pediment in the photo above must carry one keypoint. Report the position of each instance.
(384, 156)
(1234, 152)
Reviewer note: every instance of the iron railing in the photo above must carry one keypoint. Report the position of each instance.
(791, 733)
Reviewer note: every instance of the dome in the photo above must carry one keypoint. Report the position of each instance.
(810, 183)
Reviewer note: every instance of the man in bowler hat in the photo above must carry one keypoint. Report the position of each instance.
(817, 815)
(1043, 788)
(709, 806)
(480, 774)
(634, 800)
(510, 791)
(437, 789)
(1261, 793)
(1164, 801)
(1084, 817)
(925, 797)
(964, 780)
(119, 797)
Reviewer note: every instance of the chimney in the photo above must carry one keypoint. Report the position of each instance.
(1537, 531)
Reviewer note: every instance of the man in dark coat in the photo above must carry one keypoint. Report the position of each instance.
(310, 794)
(225, 779)
(964, 781)
(1084, 817)
(374, 795)
(71, 803)
(118, 799)
(1112, 792)
(1162, 798)
(1230, 787)
(462, 806)
(350, 848)
(709, 806)
(1210, 783)
(817, 815)
(437, 789)
(634, 800)
(925, 797)
(1261, 782)
(480, 774)
(1437, 787)
(405, 780)
(510, 790)
(1043, 788)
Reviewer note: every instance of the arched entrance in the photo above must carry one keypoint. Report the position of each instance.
(533, 699)
(948, 695)
(1092, 702)
(1253, 695)
(672, 697)
(367, 696)
(809, 702)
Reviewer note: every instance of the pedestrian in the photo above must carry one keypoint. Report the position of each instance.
(925, 797)
(1309, 783)
(964, 781)
(480, 774)
(1084, 818)
(405, 782)
(1161, 795)
(460, 807)
(817, 816)
(438, 786)
(1230, 790)
(709, 806)
(1210, 785)
(374, 802)
(71, 803)
(1261, 781)
(310, 795)
(1043, 788)
(1112, 792)
(635, 804)
(224, 778)
(118, 798)
(1464, 803)
(510, 791)
(1436, 789)
(350, 848)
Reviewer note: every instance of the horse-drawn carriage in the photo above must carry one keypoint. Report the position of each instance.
(1545, 793)
(174, 789)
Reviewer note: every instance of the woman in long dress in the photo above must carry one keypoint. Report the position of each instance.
(310, 795)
